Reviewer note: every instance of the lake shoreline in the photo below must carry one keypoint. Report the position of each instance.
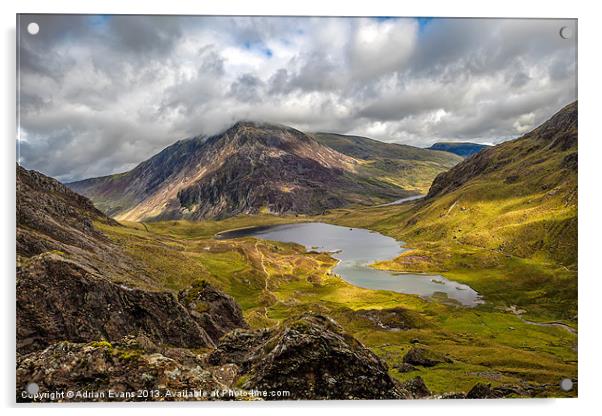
(356, 251)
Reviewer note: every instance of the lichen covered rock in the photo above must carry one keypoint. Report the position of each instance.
(104, 371)
(311, 357)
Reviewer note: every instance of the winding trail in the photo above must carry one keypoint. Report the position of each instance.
(552, 323)
(267, 275)
(518, 313)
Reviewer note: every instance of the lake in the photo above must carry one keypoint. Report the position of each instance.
(356, 249)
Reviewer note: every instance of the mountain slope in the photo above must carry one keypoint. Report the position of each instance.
(51, 217)
(463, 149)
(250, 168)
(503, 221)
(408, 167)
(519, 197)
(74, 283)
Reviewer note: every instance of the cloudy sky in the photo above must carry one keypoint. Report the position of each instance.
(99, 94)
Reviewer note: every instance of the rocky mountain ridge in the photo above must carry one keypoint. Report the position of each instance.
(249, 168)
(557, 133)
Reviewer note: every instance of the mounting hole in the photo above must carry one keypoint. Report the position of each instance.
(33, 28)
(566, 32)
(32, 388)
(566, 384)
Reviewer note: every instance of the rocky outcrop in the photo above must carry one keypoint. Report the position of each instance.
(41, 199)
(71, 280)
(424, 357)
(52, 217)
(59, 299)
(312, 357)
(216, 312)
(416, 388)
(486, 391)
(122, 371)
(239, 347)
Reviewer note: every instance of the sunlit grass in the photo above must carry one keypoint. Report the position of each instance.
(272, 281)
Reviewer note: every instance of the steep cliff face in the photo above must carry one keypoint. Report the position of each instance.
(50, 216)
(255, 167)
(74, 284)
(59, 299)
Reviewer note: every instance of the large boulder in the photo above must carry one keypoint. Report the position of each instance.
(424, 357)
(417, 388)
(216, 312)
(311, 357)
(486, 391)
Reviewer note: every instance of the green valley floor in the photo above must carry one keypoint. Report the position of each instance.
(524, 334)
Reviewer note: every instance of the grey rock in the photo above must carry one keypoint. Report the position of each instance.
(424, 357)
(312, 357)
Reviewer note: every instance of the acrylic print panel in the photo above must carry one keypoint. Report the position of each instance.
(285, 208)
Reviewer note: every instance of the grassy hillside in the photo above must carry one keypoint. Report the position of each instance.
(503, 221)
(408, 167)
(273, 281)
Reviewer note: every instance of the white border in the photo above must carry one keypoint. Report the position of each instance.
(590, 154)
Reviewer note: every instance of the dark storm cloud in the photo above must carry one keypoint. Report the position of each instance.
(150, 34)
(99, 94)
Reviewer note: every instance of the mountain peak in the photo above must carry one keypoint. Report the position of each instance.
(254, 167)
(256, 125)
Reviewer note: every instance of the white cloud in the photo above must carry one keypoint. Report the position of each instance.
(378, 48)
(524, 123)
(99, 95)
